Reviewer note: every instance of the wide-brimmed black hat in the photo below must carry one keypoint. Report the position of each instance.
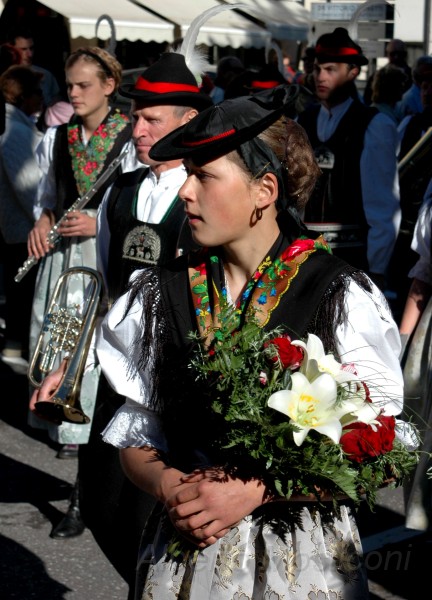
(225, 126)
(168, 81)
(338, 47)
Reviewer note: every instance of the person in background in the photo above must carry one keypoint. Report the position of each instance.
(19, 179)
(414, 179)
(228, 68)
(387, 89)
(396, 52)
(305, 79)
(140, 224)
(22, 40)
(72, 157)
(289, 72)
(416, 357)
(305, 76)
(355, 203)
(411, 100)
(8, 56)
(244, 149)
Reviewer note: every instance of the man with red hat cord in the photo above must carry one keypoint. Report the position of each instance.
(356, 200)
(139, 223)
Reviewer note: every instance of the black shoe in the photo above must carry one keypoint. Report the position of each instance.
(70, 526)
(68, 451)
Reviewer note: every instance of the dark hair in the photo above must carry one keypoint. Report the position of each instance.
(290, 143)
(9, 56)
(20, 32)
(388, 84)
(19, 82)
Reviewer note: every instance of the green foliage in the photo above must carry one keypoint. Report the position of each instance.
(241, 371)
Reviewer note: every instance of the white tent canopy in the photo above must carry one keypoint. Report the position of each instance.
(284, 19)
(131, 22)
(226, 28)
(136, 20)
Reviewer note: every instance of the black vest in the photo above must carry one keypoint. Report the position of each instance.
(181, 392)
(134, 244)
(337, 198)
(66, 187)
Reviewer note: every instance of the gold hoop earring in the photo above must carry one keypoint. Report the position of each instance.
(258, 213)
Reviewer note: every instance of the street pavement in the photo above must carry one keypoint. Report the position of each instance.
(34, 489)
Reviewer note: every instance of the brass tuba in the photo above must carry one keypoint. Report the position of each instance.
(66, 334)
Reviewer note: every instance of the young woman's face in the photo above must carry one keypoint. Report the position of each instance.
(219, 202)
(87, 93)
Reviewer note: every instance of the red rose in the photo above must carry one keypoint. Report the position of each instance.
(360, 440)
(290, 356)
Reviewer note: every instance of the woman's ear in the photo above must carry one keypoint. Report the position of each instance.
(268, 190)
(109, 86)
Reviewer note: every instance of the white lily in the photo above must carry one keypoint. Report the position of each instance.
(367, 412)
(312, 405)
(316, 362)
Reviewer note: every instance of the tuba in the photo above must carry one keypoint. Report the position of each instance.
(65, 335)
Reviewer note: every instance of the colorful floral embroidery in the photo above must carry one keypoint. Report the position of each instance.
(88, 160)
(267, 285)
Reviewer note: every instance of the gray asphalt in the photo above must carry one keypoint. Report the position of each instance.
(34, 491)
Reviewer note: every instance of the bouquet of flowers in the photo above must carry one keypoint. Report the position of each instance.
(296, 415)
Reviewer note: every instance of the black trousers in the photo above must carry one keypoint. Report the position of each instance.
(112, 507)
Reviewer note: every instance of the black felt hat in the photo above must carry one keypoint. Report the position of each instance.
(168, 81)
(224, 126)
(268, 77)
(338, 47)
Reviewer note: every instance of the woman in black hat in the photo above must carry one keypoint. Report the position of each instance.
(249, 169)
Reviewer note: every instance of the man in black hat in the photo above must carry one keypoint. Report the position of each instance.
(139, 223)
(356, 200)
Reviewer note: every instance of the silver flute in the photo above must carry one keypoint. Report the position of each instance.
(53, 235)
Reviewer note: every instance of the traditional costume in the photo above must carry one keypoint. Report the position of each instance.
(72, 165)
(356, 200)
(282, 550)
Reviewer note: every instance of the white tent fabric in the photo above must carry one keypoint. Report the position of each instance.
(226, 28)
(131, 22)
(284, 19)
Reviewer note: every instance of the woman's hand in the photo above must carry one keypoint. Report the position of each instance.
(37, 242)
(210, 503)
(78, 224)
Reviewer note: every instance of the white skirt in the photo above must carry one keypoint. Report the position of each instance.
(284, 551)
(69, 252)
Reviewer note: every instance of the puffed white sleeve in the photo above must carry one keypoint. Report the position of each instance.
(370, 340)
(136, 423)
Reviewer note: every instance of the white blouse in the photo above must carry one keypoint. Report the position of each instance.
(47, 189)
